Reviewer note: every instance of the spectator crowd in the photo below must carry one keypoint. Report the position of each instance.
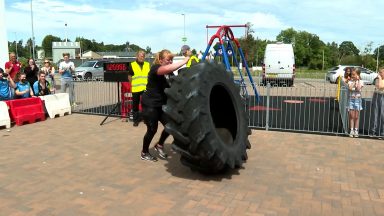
(17, 81)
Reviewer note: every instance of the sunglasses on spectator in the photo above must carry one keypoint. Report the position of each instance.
(46, 62)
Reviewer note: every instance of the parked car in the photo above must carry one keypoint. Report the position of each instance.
(337, 71)
(366, 75)
(90, 69)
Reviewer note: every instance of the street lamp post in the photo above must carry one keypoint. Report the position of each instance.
(66, 36)
(17, 56)
(184, 38)
(377, 59)
(33, 34)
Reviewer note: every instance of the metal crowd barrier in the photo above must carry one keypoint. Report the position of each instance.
(97, 97)
(309, 106)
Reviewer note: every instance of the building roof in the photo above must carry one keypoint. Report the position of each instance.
(117, 54)
(91, 54)
(65, 45)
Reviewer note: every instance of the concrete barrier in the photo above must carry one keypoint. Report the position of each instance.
(57, 104)
(5, 120)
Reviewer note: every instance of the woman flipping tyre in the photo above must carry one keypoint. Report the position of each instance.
(154, 98)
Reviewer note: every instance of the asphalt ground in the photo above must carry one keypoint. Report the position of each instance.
(73, 166)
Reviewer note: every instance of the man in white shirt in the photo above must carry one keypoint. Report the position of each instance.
(66, 68)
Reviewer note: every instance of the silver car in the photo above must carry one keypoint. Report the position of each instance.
(366, 75)
(90, 70)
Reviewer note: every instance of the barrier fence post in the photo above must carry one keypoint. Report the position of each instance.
(267, 111)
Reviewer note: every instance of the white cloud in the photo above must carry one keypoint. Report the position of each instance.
(267, 21)
(159, 24)
(43, 6)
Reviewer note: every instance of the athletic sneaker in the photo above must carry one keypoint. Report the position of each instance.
(160, 150)
(352, 133)
(148, 157)
(356, 133)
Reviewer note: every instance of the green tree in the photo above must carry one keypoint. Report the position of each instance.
(85, 44)
(308, 47)
(46, 44)
(367, 58)
(287, 36)
(135, 48)
(12, 47)
(148, 50)
(316, 52)
(28, 48)
(25, 51)
(381, 52)
(347, 48)
(260, 50)
(331, 55)
(249, 46)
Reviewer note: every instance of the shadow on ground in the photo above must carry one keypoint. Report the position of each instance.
(176, 168)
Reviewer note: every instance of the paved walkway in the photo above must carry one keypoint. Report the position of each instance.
(73, 166)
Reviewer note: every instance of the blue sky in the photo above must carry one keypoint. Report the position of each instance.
(160, 24)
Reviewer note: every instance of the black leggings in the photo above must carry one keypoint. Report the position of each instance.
(135, 105)
(152, 116)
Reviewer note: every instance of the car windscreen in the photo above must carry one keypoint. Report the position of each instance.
(87, 64)
(334, 68)
(365, 70)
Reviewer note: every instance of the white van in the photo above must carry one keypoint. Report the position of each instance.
(279, 64)
(178, 59)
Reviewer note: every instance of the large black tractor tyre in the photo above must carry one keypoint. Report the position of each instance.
(207, 119)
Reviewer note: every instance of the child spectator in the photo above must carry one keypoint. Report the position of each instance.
(355, 103)
(347, 75)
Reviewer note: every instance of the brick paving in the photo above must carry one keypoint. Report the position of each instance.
(73, 166)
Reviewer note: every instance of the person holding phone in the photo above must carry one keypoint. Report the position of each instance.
(377, 109)
(6, 83)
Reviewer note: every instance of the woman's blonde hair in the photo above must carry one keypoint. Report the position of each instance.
(162, 55)
(357, 70)
(139, 52)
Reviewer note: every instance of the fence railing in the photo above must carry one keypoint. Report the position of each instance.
(309, 106)
(97, 97)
